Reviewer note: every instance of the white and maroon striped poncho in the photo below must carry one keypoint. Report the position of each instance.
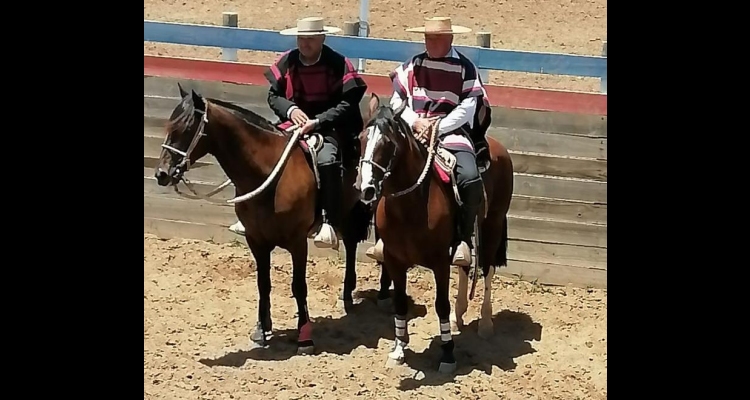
(448, 87)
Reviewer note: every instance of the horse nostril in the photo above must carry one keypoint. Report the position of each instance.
(368, 194)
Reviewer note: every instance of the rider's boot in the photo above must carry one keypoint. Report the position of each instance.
(330, 176)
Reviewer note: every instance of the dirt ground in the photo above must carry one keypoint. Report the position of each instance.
(561, 26)
(200, 304)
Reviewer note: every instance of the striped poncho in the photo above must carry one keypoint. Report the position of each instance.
(447, 87)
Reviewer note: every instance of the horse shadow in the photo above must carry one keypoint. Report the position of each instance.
(513, 331)
(364, 324)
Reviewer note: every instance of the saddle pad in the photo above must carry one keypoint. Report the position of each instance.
(444, 163)
(441, 172)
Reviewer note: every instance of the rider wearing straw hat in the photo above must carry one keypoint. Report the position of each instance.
(318, 89)
(442, 83)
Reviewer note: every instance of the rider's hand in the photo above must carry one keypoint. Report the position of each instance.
(420, 124)
(309, 125)
(299, 117)
(421, 128)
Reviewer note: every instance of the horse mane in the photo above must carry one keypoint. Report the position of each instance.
(248, 116)
(385, 113)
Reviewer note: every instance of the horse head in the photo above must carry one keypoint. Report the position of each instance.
(182, 146)
(384, 135)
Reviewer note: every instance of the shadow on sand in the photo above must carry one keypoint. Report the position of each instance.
(363, 325)
(513, 331)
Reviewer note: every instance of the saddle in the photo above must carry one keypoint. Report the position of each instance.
(310, 145)
(445, 163)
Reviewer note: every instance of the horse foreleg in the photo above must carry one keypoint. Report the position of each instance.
(443, 309)
(486, 328)
(305, 343)
(462, 302)
(397, 272)
(350, 274)
(384, 294)
(263, 329)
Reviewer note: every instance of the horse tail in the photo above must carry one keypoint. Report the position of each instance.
(501, 258)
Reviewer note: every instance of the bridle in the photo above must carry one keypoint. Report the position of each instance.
(184, 164)
(387, 170)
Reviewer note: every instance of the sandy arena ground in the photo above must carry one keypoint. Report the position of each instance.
(200, 305)
(560, 26)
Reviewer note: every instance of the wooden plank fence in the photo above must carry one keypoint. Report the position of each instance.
(558, 223)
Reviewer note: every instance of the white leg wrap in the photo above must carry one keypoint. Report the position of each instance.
(445, 332)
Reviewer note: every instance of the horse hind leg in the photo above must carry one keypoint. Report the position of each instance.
(494, 247)
(462, 302)
(486, 329)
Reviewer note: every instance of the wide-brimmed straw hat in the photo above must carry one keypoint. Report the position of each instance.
(310, 26)
(439, 25)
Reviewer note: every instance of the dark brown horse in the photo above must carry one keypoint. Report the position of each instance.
(419, 227)
(284, 210)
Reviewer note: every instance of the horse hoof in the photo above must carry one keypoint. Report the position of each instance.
(345, 305)
(385, 304)
(394, 362)
(259, 338)
(485, 331)
(456, 325)
(306, 350)
(447, 368)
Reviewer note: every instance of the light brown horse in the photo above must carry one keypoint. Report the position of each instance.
(419, 227)
(284, 214)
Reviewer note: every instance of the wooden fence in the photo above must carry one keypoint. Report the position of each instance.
(231, 38)
(558, 142)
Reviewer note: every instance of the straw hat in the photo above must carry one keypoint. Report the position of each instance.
(438, 25)
(310, 26)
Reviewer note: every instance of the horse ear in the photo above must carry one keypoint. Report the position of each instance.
(197, 99)
(183, 93)
(373, 105)
(400, 109)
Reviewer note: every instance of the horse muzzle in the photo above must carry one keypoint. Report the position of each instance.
(164, 178)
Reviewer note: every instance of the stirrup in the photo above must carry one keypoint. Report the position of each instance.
(376, 252)
(326, 238)
(238, 228)
(462, 258)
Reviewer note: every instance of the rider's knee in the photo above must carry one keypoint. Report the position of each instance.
(467, 167)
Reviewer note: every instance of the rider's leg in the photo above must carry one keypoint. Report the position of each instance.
(470, 189)
(329, 166)
(237, 228)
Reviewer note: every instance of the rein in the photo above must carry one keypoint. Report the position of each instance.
(430, 154)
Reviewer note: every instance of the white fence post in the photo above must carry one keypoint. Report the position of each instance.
(352, 29)
(603, 87)
(484, 39)
(229, 19)
(364, 28)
